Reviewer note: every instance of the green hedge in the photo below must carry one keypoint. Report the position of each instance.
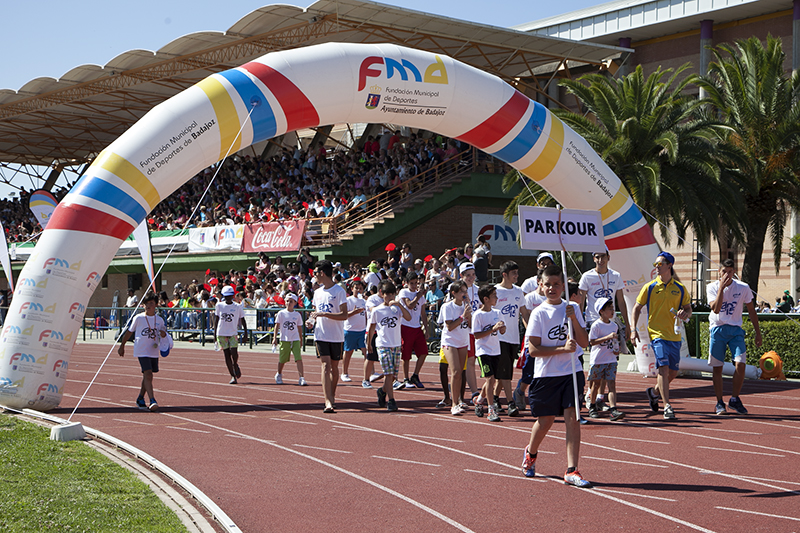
(782, 336)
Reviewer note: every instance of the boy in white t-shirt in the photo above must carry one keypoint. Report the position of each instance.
(414, 330)
(147, 330)
(385, 322)
(486, 324)
(290, 325)
(603, 358)
(226, 319)
(552, 391)
(355, 328)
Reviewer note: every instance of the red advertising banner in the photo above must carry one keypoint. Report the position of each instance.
(273, 236)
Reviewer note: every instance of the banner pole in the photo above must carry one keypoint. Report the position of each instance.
(569, 322)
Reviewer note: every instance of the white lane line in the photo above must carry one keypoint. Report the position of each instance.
(634, 440)
(408, 416)
(188, 429)
(433, 438)
(294, 421)
(728, 431)
(226, 397)
(760, 513)
(403, 460)
(709, 437)
(232, 414)
(353, 429)
(318, 448)
(517, 448)
(132, 422)
(506, 475)
(624, 462)
(740, 451)
(793, 437)
(634, 494)
(90, 416)
(766, 423)
(768, 479)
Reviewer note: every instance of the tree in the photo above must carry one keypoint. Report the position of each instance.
(752, 94)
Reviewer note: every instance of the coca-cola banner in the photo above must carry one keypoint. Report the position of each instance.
(273, 236)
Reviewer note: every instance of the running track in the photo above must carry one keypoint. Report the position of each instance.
(269, 457)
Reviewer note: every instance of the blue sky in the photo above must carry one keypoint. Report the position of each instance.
(50, 37)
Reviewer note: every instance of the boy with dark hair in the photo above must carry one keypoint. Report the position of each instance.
(289, 323)
(147, 329)
(552, 391)
(414, 330)
(385, 321)
(509, 300)
(486, 324)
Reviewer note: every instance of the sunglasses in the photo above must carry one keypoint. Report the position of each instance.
(660, 263)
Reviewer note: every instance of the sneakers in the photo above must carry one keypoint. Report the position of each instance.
(457, 410)
(408, 385)
(575, 478)
(153, 406)
(391, 406)
(600, 405)
(365, 384)
(346, 378)
(493, 416)
(478, 410)
(720, 409)
(417, 383)
(444, 404)
(237, 371)
(651, 396)
(140, 403)
(513, 410)
(736, 404)
(593, 411)
(519, 398)
(582, 421)
(528, 464)
(669, 414)
(232, 381)
(588, 400)
(397, 385)
(302, 381)
(375, 377)
(278, 379)
(381, 398)
(497, 406)
(616, 414)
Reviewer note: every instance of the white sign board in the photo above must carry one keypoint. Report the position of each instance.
(500, 235)
(547, 228)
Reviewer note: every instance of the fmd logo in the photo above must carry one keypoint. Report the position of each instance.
(22, 358)
(53, 335)
(94, 277)
(434, 73)
(33, 307)
(23, 283)
(47, 388)
(55, 262)
(496, 231)
(226, 233)
(16, 330)
(76, 309)
(59, 366)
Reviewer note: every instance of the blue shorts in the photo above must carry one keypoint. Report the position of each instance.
(355, 340)
(148, 363)
(668, 353)
(722, 337)
(551, 396)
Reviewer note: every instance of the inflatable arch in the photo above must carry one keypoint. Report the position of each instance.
(283, 92)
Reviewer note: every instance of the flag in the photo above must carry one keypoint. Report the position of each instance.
(142, 237)
(42, 203)
(4, 259)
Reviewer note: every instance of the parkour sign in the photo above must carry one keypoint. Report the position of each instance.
(546, 228)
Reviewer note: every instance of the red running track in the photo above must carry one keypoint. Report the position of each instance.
(271, 459)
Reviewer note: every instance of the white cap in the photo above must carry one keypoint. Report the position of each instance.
(600, 303)
(165, 345)
(228, 291)
(545, 254)
(463, 267)
(290, 296)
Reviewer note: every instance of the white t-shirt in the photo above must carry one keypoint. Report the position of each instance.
(372, 279)
(549, 323)
(146, 335)
(508, 304)
(599, 286)
(229, 316)
(288, 325)
(329, 301)
(387, 326)
(459, 337)
(734, 298)
(373, 301)
(132, 301)
(357, 322)
(533, 300)
(482, 321)
(415, 313)
(530, 284)
(604, 353)
(472, 294)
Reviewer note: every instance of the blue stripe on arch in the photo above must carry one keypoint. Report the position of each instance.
(631, 217)
(263, 119)
(102, 191)
(524, 141)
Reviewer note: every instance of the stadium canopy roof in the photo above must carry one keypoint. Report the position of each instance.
(68, 121)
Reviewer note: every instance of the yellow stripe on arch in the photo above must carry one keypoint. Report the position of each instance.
(546, 162)
(227, 117)
(127, 172)
(615, 204)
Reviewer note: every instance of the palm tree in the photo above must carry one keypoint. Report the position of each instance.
(751, 92)
(656, 139)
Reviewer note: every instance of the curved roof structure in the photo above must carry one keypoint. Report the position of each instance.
(71, 119)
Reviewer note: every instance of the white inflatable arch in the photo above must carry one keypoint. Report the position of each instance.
(286, 91)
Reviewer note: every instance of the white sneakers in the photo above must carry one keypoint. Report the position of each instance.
(278, 379)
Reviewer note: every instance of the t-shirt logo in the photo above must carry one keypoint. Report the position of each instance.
(289, 326)
(510, 310)
(727, 308)
(325, 308)
(150, 333)
(602, 293)
(558, 333)
(227, 317)
(487, 328)
(389, 322)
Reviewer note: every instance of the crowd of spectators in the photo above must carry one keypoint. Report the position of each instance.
(18, 222)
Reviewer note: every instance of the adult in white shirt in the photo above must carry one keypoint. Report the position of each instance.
(132, 300)
(601, 282)
(727, 297)
(330, 304)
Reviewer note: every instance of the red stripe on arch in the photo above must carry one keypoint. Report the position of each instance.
(300, 112)
(641, 237)
(495, 127)
(78, 217)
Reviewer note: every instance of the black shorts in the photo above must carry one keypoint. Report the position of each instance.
(550, 396)
(334, 350)
(148, 363)
(505, 364)
(488, 365)
(372, 350)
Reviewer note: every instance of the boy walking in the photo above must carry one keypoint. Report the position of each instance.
(603, 359)
(385, 321)
(289, 323)
(226, 319)
(509, 300)
(486, 325)
(414, 331)
(552, 392)
(147, 330)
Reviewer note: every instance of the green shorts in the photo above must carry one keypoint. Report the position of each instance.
(226, 343)
(287, 348)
